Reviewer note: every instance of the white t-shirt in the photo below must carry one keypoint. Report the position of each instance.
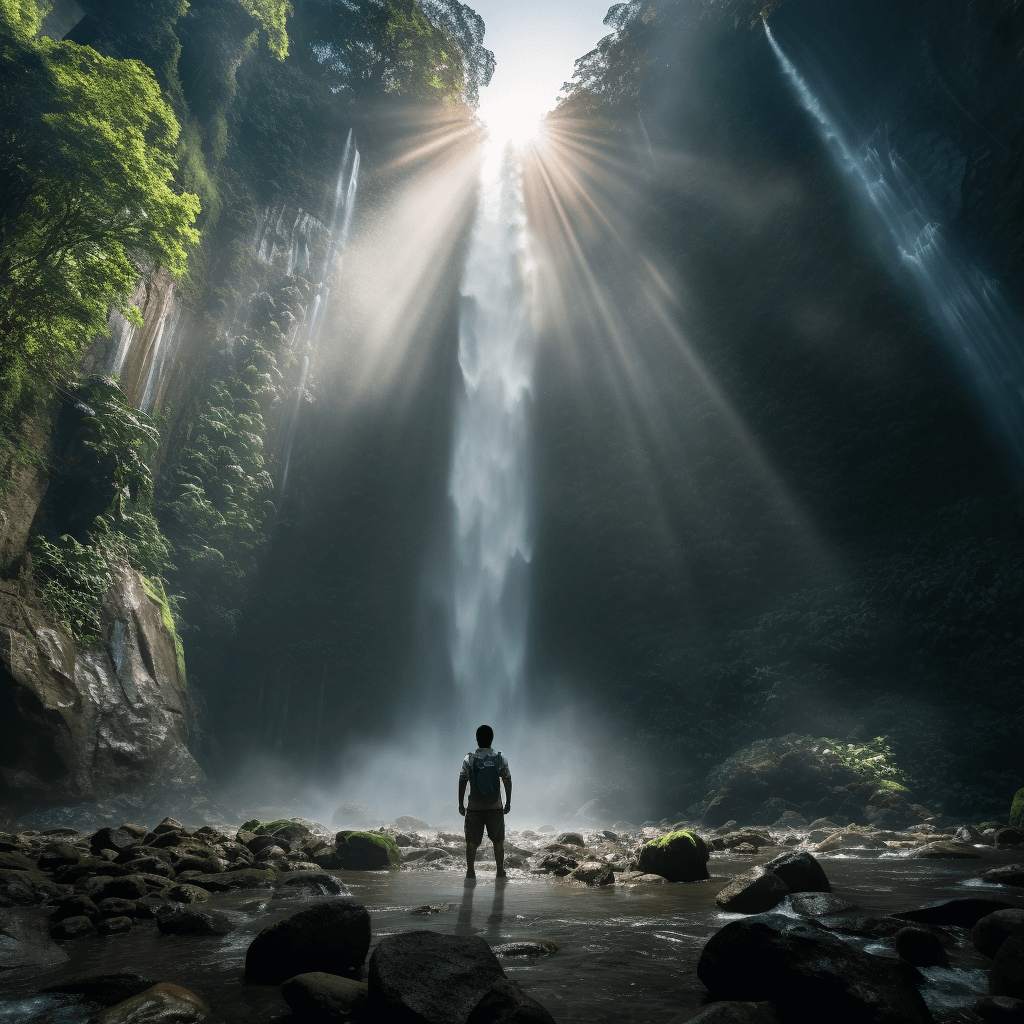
(477, 802)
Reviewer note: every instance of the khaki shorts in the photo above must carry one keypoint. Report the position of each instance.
(476, 821)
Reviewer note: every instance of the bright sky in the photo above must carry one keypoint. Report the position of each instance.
(535, 43)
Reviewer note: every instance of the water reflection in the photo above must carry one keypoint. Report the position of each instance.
(492, 926)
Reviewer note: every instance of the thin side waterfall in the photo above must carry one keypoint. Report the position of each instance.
(976, 319)
(489, 477)
(340, 226)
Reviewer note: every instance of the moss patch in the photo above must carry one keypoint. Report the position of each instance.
(1017, 809)
(386, 843)
(665, 840)
(155, 591)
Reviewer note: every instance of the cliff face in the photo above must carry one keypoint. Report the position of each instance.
(82, 726)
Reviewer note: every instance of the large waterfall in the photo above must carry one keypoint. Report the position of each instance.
(974, 316)
(489, 481)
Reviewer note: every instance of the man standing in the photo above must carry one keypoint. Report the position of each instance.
(481, 770)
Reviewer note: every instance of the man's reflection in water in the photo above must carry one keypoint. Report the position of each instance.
(464, 925)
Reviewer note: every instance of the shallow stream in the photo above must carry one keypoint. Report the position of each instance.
(626, 952)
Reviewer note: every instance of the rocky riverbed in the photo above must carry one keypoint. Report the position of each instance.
(190, 921)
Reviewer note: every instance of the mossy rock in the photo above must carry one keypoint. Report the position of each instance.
(1017, 810)
(366, 851)
(679, 857)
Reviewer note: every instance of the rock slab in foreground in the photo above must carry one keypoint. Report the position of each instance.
(962, 913)
(424, 977)
(162, 1004)
(317, 996)
(25, 941)
(506, 1003)
(809, 974)
(678, 857)
(331, 937)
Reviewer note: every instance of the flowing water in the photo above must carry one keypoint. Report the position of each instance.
(627, 953)
(983, 332)
(489, 479)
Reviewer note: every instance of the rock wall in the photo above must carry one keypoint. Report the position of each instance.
(80, 726)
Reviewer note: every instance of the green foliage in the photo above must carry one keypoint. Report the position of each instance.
(157, 593)
(88, 157)
(220, 489)
(667, 840)
(74, 576)
(272, 15)
(1017, 809)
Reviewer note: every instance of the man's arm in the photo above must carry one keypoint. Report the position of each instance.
(462, 796)
(508, 793)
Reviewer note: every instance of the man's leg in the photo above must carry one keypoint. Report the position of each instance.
(499, 858)
(470, 858)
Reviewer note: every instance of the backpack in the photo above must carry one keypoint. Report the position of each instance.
(483, 769)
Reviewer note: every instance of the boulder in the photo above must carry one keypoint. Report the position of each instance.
(840, 841)
(678, 857)
(730, 1012)
(150, 866)
(1009, 837)
(427, 977)
(594, 872)
(114, 925)
(115, 907)
(25, 941)
(11, 860)
(57, 855)
(506, 1003)
(185, 893)
(818, 904)
(120, 840)
(107, 989)
(76, 906)
(1007, 874)
(968, 834)
(313, 882)
(366, 851)
(1006, 976)
(244, 878)
(808, 973)
(72, 928)
(570, 839)
(162, 1002)
(317, 996)
(920, 947)
(991, 931)
(945, 851)
(539, 947)
(331, 937)
(408, 823)
(800, 871)
(176, 919)
(962, 913)
(752, 893)
(1000, 1009)
(128, 887)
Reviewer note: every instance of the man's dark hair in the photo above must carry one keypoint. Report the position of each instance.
(484, 736)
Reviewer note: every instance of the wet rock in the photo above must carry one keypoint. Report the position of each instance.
(86, 868)
(428, 977)
(968, 834)
(244, 878)
(807, 972)
(185, 893)
(790, 819)
(408, 823)
(114, 925)
(992, 930)
(161, 1003)
(104, 988)
(1000, 1009)
(800, 872)
(731, 1012)
(641, 877)
(11, 860)
(263, 846)
(818, 904)
(128, 887)
(963, 913)
(120, 840)
(864, 927)
(945, 851)
(570, 839)
(76, 906)
(315, 882)
(506, 1003)
(25, 941)
(1009, 837)
(72, 928)
(1008, 874)
(752, 893)
(366, 851)
(840, 841)
(594, 872)
(115, 907)
(150, 866)
(177, 919)
(733, 840)
(333, 937)
(1006, 976)
(541, 947)
(57, 855)
(919, 947)
(678, 857)
(317, 996)
(425, 854)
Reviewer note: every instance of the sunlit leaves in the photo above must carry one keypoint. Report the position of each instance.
(272, 15)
